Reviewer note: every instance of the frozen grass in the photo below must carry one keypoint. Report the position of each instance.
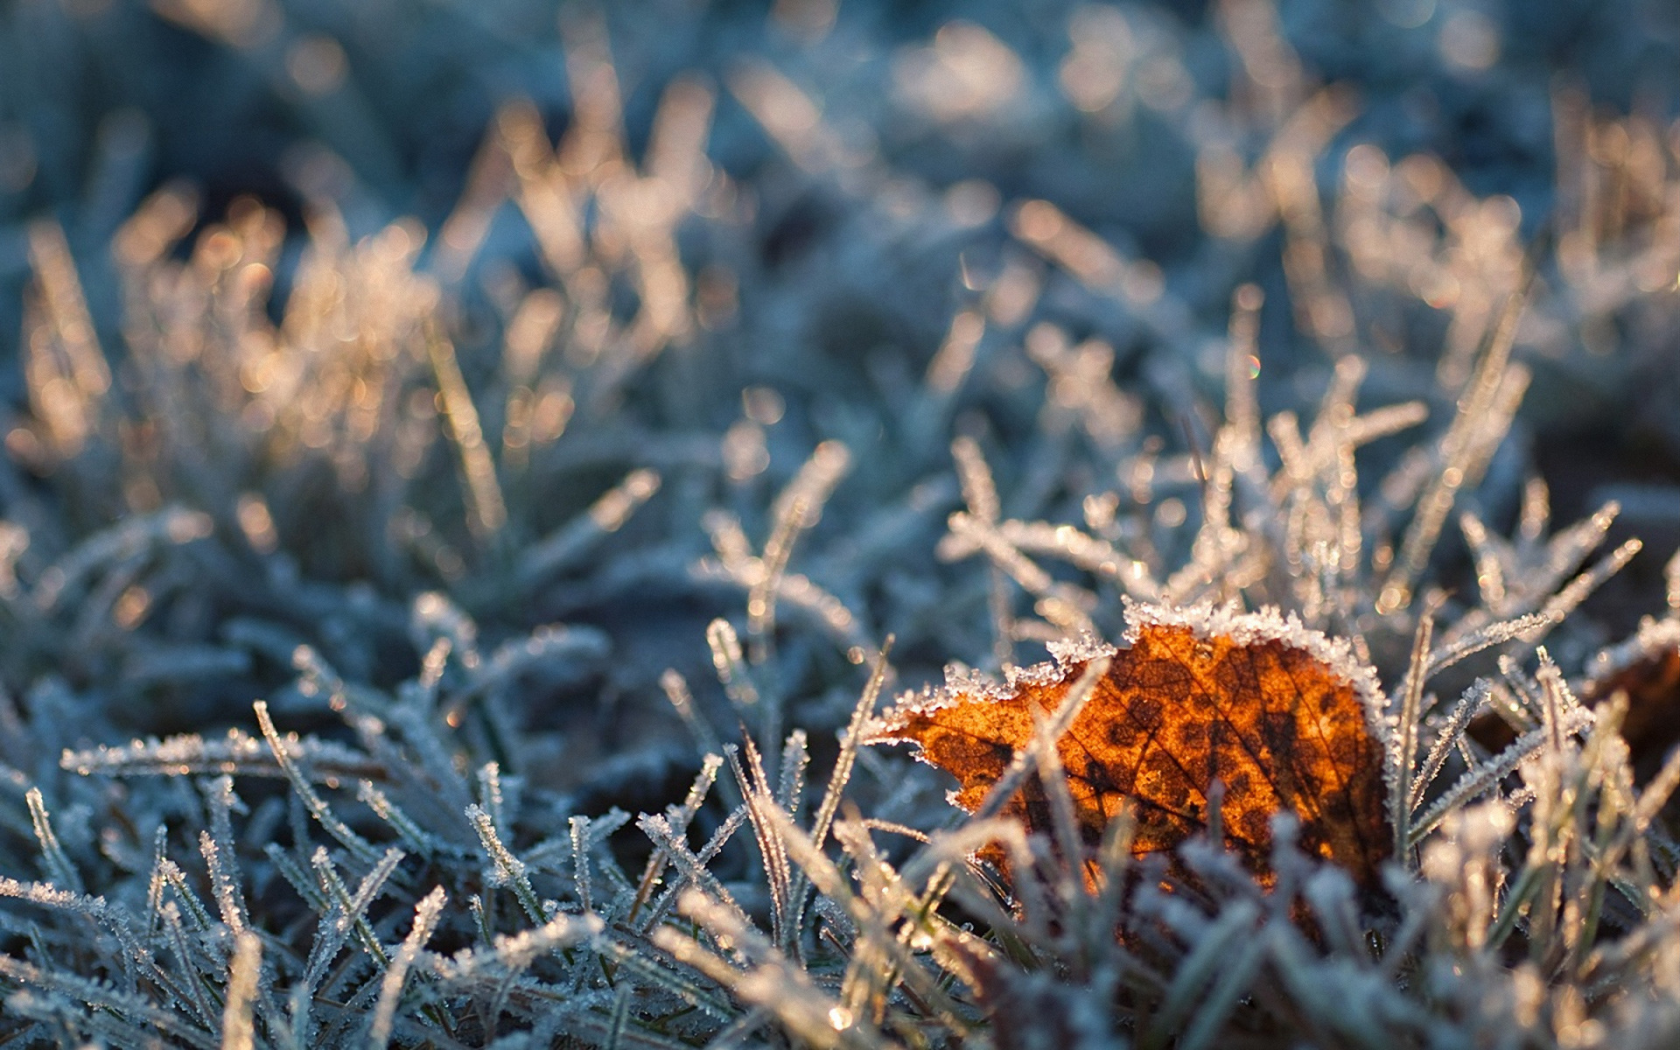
(568, 550)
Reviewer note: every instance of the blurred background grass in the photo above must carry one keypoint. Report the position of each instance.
(102, 101)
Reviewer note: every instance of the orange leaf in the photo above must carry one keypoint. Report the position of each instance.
(1281, 715)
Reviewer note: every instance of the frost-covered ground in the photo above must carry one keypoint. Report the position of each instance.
(472, 471)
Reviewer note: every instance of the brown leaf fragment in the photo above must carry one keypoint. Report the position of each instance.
(1647, 669)
(1282, 716)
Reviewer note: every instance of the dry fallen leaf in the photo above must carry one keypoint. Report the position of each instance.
(1645, 669)
(1278, 714)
